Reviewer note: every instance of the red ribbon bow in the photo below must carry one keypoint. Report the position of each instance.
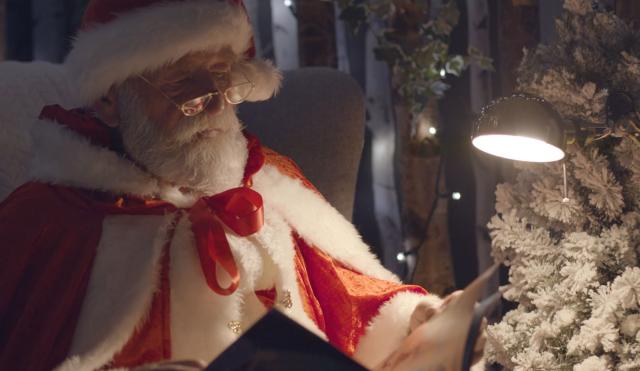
(241, 210)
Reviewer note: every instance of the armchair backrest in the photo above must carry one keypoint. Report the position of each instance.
(24, 89)
(317, 119)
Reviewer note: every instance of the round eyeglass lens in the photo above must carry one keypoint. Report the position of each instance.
(196, 105)
(238, 93)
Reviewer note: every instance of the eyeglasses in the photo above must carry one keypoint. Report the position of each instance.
(234, 94)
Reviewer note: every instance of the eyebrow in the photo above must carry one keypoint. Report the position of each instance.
(174, 74)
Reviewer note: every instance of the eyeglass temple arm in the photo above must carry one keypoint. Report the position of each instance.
(160, 91)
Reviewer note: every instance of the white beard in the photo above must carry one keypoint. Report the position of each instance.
(186, 155)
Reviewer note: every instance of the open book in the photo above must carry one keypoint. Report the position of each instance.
(444, 343)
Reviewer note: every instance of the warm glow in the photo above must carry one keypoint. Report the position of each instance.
(518, 148)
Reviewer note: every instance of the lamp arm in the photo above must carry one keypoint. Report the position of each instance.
(584, 134)
(619, 104)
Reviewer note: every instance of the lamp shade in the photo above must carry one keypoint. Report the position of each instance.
(520, 127)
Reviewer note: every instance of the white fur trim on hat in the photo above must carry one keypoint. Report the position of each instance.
(265, 76)
(148, 38)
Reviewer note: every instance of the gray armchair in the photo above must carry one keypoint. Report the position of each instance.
(317, 119)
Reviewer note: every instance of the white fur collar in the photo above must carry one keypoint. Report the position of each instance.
(63, 157)
(121, 287)
(67, 159)
(317, 222)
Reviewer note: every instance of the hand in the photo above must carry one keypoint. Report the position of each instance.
(183, 365)
(427, 309)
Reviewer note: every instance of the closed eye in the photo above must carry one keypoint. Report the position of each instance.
(176, 86)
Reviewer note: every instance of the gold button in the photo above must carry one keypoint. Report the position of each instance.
(286, 299)
(235, 327)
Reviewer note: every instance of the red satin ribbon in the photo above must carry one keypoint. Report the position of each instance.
(240, 209)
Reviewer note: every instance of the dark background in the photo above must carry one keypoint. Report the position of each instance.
(43, 30)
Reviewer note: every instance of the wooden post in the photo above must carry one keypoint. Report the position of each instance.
(380, 121)
(434, 267)
(316, 33)
(417, 168)
(517, 27)
(456, 155)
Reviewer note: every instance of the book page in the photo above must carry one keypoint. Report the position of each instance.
(439, 344)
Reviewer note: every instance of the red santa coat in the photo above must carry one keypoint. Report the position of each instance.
(78, 278)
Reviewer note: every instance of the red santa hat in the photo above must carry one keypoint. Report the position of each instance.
(121, 38)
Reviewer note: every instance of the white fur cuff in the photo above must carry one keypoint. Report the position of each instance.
(386, 330)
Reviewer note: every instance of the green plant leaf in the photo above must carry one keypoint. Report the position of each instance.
(455, 65)
(416, 49)
(387, 53)
(438, 88)
(482, 61)
(447, 18)
(354, 15)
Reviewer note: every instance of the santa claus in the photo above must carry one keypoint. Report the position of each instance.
(154, 228)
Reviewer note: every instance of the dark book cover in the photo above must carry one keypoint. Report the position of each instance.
(446, 342)
(276, 342)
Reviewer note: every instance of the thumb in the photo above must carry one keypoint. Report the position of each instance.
(420, 315)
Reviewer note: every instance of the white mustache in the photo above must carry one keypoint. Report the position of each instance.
(189, 128)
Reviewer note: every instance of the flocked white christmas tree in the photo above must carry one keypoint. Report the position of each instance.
(573, 265)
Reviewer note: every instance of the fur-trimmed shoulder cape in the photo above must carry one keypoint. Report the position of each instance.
(78, 279)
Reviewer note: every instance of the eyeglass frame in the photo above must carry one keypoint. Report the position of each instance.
(207, 96)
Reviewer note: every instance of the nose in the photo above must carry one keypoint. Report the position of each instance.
(216, 105)
(208, 83)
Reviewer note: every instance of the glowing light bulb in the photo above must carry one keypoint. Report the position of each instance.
(401, 257)
(288, 3)
(443, 72)
(456, 196)
(518, 148)
(432, 130)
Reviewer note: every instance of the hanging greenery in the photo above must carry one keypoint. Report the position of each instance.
(415, 44)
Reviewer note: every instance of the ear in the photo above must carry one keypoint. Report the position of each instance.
(107, 108)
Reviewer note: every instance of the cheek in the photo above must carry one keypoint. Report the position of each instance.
(162, 112)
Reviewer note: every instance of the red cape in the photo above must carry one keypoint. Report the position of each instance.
(50, 234)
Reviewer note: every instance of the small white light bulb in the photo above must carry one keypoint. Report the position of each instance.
(288, 3)
(443, 72)
(432, 130)
(456, 195)
(401, 257)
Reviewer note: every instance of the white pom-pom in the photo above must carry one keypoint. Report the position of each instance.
(266, 78)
